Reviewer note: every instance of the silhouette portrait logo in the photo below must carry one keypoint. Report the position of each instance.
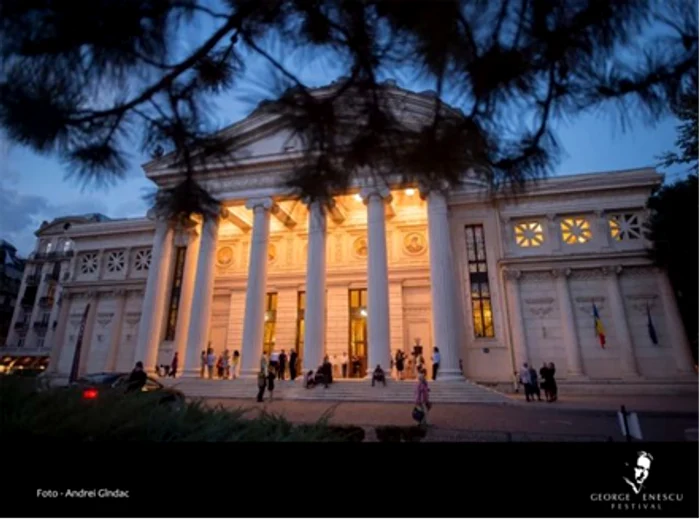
(638, 472)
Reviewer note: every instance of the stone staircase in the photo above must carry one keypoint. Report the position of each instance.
(341, 391)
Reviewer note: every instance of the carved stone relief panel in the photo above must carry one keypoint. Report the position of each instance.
(640, 303)
(540, 307)
(359, 247)
(414, 243)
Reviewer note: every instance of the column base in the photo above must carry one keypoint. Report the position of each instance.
(631, 377)
(448, 375)
(193, 373)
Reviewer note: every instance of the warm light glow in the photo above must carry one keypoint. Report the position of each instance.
(529, 234)
(575, 230)
(625, 227)
(363, 312)
(410, 192)
(358, 197)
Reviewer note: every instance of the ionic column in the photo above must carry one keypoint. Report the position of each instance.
(154, 298)
(520, 353)
(446, 324)
(379, 340)
(200, 310)
(674, 326)
(628, 360)
(574, 362)
(115, 332)
(185, 312)
(59, 338)
(315, 313)
(254, 321)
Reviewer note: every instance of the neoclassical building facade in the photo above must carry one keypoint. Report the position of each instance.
(492, 280)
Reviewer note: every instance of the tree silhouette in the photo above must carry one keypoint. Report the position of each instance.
(673, 230)
(687, 139)
(84, 80)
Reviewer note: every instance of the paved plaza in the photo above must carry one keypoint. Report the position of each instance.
(580, 418)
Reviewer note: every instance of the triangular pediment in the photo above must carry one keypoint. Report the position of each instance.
(63, 224)
(262, 135)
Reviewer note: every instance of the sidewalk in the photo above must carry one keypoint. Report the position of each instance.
(665, 404)
(468, 422)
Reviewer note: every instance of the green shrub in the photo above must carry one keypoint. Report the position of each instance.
(29, 412)
(395, 433)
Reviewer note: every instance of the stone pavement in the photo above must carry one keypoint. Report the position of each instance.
(641, 403)
(536, 421)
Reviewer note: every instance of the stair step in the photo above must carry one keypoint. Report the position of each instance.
(344, 390)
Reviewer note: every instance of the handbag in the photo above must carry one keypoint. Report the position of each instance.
(418, 414)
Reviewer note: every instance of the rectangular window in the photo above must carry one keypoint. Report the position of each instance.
(301, 329)
(175, 293)
(270, 320)
(482, 316)
(40, 342)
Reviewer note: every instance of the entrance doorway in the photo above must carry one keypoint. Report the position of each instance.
(270, 323)
(357, 351)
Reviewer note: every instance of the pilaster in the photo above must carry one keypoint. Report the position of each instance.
(574, 359)
(628, 360)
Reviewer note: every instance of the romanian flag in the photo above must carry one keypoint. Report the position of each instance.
(600, 331)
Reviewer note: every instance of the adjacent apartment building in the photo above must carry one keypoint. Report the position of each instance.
(32, 320)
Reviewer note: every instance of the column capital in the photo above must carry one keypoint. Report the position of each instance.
(437, 186)
(262, 203)
(564, 272)
(382, 192)
(612, 270)
(437, 201)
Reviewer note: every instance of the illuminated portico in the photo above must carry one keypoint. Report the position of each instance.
(290, 253)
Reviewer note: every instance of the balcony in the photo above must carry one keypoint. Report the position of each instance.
(40, 327)
(51, 277)
(46, 302)
(52, 256)
(21, 326)
(33, 279)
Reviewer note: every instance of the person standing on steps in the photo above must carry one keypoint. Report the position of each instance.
(234, 364)
(211, 362)
(262, 382)
(293, 364)
(271, 375)
(173, 366)
(344, 364)
(436, 362)
(282, 365)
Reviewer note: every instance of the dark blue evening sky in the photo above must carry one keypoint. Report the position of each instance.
(33, 188)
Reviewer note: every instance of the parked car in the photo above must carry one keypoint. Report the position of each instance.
(94, 384)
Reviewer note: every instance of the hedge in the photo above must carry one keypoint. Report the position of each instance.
(30, 412)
